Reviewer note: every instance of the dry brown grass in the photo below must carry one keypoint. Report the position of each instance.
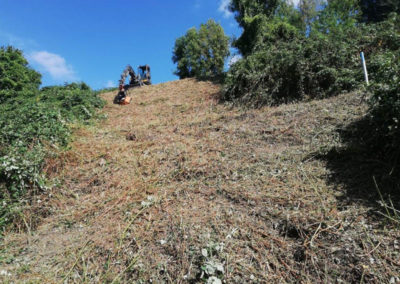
(177, 188)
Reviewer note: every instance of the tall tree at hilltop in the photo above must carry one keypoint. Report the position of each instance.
(250, 8)
(201, 53)
(378, 10)
(308, 11)
(337, 16)
(265, 21)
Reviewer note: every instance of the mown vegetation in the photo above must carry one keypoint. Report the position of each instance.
(307, 52)
(182, 189)
(34, 123)
(312, 51)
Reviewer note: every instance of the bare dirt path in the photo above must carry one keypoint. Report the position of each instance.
(175, 188)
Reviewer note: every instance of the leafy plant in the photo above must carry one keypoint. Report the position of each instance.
(285, 62)
(385, 99)
(32, 122)
(201, 53)
(287, 71)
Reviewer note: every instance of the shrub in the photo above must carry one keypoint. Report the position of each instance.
(31, 120)
(293, 70)
(385, 99)
(282, 64)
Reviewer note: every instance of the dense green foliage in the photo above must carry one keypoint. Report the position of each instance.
(385, 102)
(293, 71)
(286, 61)
(33, 123)
(293, 54)
(385, 88)
(264, 22)
(249, 8)
(378, 10)
(15, 75)
(201, 53)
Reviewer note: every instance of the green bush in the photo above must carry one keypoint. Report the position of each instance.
(20, 178)
(261, 32)
(283, 62)
(33, 121)
(385, 99)
(266, 77)
(15, 75)
(384, 69)
(294, 70)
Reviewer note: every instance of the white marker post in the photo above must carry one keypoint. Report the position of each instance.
(364, 67)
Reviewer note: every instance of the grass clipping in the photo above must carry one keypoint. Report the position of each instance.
(178, 188)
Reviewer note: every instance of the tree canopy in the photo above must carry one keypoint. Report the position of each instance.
(378, 10)
(245, 9)
(201, 53)
(14, 71)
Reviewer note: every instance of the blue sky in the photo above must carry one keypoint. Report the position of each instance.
(93, 40)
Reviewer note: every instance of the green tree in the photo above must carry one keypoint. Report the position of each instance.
(15, 74)
(282, 58)
(308, 11)
(265, 21)
(378, 10)
(337, 17)
(261, 32)
(201, 53)
(245, 9)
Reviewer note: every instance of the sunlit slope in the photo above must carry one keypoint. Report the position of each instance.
(178, 188)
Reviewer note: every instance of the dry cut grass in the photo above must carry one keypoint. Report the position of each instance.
(176, 188)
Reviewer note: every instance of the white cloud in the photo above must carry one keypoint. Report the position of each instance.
(54, 64)
(294, 2)
(110, 84)
(224, 8)
(234, 59)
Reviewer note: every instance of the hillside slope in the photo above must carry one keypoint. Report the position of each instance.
(178, 188)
